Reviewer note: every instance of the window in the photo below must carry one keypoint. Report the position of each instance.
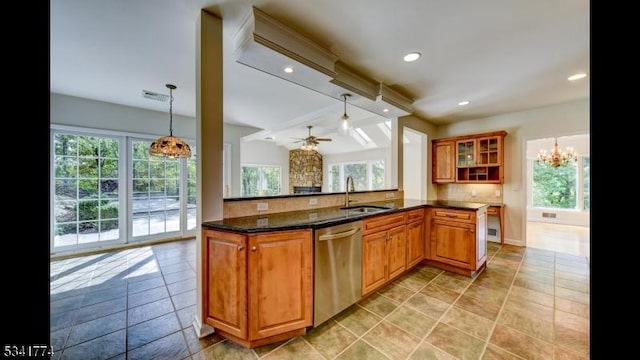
(85, 199)
(260, 180)
(95, 199)
(156, 192)
(367, 175)
(564, 187)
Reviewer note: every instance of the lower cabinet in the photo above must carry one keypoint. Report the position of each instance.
(458, 240)
(415, 237)
(258, 288)
(384, 247)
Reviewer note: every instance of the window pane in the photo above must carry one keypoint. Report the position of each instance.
(157, 169)
(377, 173)
(65, 144)
(334, 176)
(66, 167)
(554, 187)
(86, 188)
(140, 169)
(108, 168)
(89, 146)
(140, 225)
(109, 148)
(173, 220)
(88, 168)
(260, 180)
(359, 174)
(249, 181)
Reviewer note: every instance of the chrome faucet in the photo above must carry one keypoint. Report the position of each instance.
(346, 192)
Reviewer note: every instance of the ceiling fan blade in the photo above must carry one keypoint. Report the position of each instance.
(323, 139)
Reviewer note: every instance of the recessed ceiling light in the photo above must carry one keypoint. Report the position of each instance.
(410, 57)
(577, 76)
(269, 137)
(463, 103)
(288, 69)
(385, 110)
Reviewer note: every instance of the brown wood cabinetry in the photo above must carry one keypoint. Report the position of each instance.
(443, 169)
(258, 288)
(415, 237)
(475, 158)
(458, 240)
(384, 250)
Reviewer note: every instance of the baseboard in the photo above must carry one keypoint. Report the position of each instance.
(202, 329)
(514, 242)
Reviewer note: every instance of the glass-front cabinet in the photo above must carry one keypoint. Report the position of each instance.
(465, 152)
(478, 158)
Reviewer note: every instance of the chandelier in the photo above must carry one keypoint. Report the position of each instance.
(557, 157)
(170, 146)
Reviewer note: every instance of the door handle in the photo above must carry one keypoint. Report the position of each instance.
(253, 248)
(338, 235)
(240, 247)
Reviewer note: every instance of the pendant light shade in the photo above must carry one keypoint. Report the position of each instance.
(170, 146)
(344, 120)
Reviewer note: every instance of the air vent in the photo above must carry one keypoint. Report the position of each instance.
(155, 96)
(492, 232)
(549, 215)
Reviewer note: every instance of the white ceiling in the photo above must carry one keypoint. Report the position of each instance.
(501, 55)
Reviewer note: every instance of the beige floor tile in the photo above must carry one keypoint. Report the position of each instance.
(560, 353)
(391, 340)
(575, 341)
(521, 293)
(426, 351)
(379, 304)
(361, 350)
(493, 352)
(572, 295)
(411, 321)
(520, 344)
(396, 292)
(495, 295)
(330, 338)
(573, 285)
(534, 285)
(224, 350)
(452, 281)
(416, 279)
(468, 322)
(441, 293)
(427, 305)
(573, 307)
(357, 319)
(483, 307)
(571, 321)
(532, 326)
(455, 342)
(529, 309)
(294, 350)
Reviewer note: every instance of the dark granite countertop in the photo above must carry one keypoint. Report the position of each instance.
(325, 217)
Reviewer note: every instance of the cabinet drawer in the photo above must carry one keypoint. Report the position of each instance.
(457, 215)
(383, 222)
(413, 215)
(493, 210)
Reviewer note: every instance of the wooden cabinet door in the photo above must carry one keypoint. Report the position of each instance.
(374, 261)
(453, 243)
(280, 283)
(225, 294)
(443, 169)
(396, 251)
(415, 242)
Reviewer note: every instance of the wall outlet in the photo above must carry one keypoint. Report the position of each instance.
(313, 216)
(313, 201)
(263, 206)
(262, 222)
(473, 193)
(391, 195)
(497, 193)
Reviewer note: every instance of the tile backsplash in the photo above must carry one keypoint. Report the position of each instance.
(486, 193)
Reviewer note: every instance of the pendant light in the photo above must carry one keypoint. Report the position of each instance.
(344, 120)
(170, 146)
(557, 157)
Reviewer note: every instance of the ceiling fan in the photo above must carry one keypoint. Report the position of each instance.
(310, 142)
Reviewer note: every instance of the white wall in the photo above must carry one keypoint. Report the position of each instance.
(261, 152)
(570, 118)
(424, 127)
(414, 165)
(75, 111)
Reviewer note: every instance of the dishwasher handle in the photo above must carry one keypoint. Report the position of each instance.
(326, 237)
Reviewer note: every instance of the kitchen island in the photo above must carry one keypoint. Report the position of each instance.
(258, 271)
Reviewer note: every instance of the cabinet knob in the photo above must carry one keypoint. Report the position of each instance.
(253, 248)
(240, 247)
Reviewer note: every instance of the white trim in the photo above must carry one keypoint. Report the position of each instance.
(84, 130)
(202, 329)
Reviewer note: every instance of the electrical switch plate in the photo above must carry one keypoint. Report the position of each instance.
(313, 201)
(473, 193)
(497, 193)
(262, 222)
(391, 195)
(263, 206)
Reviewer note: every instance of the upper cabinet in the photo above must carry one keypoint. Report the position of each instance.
(477, 158)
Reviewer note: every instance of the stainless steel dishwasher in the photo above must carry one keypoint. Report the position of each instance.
(338, 269)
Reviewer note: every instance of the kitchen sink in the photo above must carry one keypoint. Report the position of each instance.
(363, 209)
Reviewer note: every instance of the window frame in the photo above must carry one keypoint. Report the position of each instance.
(369, 174)
(261, 166)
